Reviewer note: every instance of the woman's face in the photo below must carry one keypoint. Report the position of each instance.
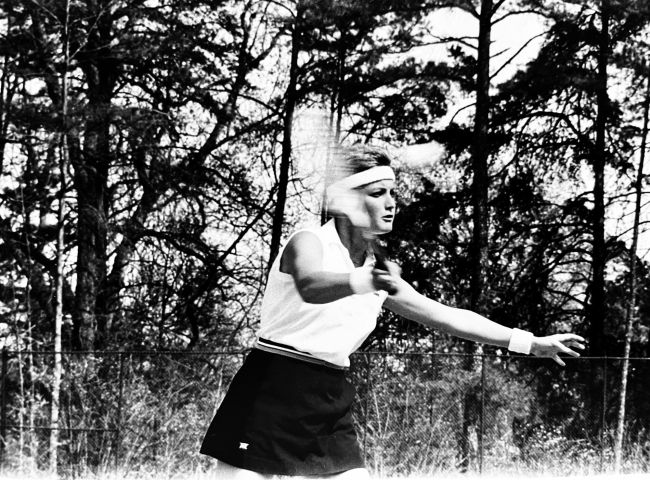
(379, 201)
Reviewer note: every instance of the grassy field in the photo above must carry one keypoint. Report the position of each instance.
(8, 474)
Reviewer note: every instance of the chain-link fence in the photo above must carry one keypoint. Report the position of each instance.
(416, 413)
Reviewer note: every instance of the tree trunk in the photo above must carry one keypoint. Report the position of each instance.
(595, 313)
(480, 214)
(285, 162)
(596, 372)
(4, 99)
(480, 154)
(91, 178)
(60, 259)
(631, 306)
(58, 316)
(90, 184)
(597, 297)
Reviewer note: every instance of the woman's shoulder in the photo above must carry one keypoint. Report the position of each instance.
(313, 232)
(307, 244)
(303, 248)
(303, 239)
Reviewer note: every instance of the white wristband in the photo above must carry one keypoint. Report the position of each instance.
(520, 341)
(361, 280)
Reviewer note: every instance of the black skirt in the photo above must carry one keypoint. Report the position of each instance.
(284, 416)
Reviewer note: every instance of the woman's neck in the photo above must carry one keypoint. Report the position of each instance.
(352, 239)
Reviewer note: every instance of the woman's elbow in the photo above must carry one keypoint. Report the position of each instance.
(307, 292)
(308, 297)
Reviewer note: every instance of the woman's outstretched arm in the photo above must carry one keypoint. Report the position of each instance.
(466, 324)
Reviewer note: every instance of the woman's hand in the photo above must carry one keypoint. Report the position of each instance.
(387, 279)
(553, 345)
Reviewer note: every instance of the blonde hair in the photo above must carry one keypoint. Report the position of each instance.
(356, 159)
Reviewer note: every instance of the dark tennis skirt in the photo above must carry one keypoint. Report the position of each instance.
(285, 416)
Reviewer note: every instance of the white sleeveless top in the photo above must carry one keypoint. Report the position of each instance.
(330, 331)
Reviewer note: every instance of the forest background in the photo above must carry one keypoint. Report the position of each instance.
(153, 160)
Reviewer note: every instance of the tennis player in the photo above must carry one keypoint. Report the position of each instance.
(288, 409)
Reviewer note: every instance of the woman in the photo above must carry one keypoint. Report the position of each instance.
(287, 411)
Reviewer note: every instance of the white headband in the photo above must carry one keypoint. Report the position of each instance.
(371, 175)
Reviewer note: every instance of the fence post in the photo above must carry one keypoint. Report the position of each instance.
(3, 415)
(482, 431)
(365, 419)
(603, 419)
(119, 410)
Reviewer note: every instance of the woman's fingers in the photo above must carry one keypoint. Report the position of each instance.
(560, 347)
(570, 341)
(554, 345)
(384, 281)
(394, 269)
(574, 345)
(568, 351)
(570, 338)
(387, 279)
(559, 361)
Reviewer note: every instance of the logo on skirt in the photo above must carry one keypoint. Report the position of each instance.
(243, 446)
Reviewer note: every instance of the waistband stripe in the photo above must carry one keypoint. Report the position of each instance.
(289, 351)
